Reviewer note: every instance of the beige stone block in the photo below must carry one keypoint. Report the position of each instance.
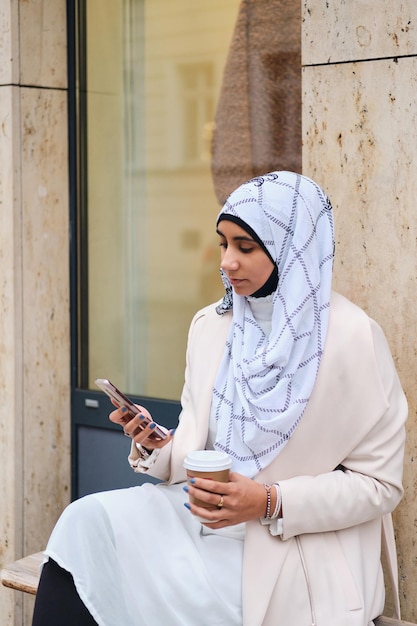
(360, 29)
(42, 32)
(45, 278)
(9, 43)
(11, 406)
(360, 144)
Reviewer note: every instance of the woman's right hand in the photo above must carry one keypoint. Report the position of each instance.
(133, 427)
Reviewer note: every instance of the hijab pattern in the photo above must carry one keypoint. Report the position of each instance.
(227, 303)
(264, 383)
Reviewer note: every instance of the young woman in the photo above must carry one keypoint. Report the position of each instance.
(298, 386)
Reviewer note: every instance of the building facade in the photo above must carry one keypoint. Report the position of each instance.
(353, 132)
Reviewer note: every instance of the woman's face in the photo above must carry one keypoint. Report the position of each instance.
(246, 265)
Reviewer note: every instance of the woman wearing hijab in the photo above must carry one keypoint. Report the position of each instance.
(298, 386)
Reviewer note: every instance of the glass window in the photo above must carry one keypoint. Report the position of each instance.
(155, 78)
(153, 74)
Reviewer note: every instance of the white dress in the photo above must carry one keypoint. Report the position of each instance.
(140, 558)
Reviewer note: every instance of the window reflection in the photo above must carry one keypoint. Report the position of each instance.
(159, 76)
(197, 95)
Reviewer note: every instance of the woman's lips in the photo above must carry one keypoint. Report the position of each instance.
(235, 281)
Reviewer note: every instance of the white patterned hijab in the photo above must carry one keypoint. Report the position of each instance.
(264, 383)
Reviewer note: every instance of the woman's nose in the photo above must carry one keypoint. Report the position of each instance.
(229, 260)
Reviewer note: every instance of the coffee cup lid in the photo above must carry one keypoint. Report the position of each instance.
(207, 460)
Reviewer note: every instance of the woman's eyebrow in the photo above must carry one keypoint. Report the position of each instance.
(237, 237)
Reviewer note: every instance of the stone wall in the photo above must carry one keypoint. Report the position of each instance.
(360, 137)
(34, 283)
(359, 132)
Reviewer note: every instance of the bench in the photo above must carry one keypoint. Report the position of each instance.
(23, 575)
(389, 621)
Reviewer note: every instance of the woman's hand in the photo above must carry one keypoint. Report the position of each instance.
(243, 499)
(133, 427)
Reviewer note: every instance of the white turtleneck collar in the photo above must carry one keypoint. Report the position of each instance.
(262, 311)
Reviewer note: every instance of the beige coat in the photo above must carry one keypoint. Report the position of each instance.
(325, 568)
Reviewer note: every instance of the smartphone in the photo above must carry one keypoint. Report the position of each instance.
(105, 385)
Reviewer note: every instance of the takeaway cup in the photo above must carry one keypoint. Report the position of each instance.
(207, 464)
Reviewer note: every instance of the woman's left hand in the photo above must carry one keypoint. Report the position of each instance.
(241, 499)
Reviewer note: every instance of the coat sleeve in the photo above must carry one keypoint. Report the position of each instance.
(370, 483)
(160, 463)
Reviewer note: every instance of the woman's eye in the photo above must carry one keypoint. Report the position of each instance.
(246, 250)
(223, 244)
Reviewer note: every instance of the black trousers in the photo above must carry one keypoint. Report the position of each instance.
(57, 600)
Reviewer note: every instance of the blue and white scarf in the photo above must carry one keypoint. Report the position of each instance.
(264, 383)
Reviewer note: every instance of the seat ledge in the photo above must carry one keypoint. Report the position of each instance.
(390, 621)
(23, 574)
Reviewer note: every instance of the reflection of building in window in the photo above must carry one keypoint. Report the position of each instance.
(280, 83)
(258, 116)
(196, 91)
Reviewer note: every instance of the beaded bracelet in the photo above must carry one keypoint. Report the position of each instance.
(279, 501)
(268, 501)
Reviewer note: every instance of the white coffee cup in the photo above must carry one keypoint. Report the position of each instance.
(212, 464)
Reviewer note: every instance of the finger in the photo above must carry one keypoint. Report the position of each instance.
(135, 426)
(146, 437)
(206, 484)
(215, 500)
(156, 443)
(143, 432)
(120, 416)
(143, 411)
(215, 518)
